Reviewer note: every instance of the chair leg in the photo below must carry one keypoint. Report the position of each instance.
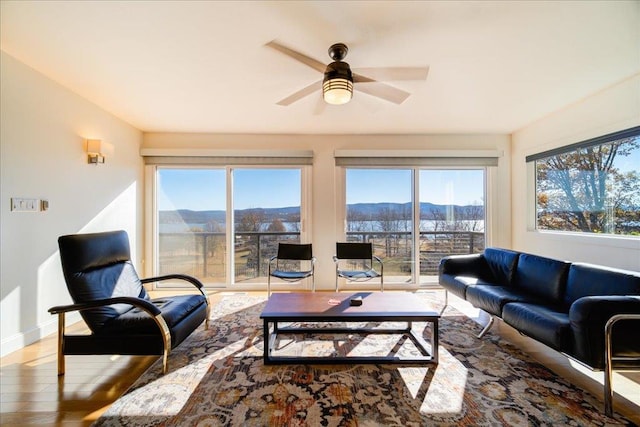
(608, 358)
(608, 369)
(61, 327)
(608, 377)
(446, 302)
(166, 341)
(206, 321)
(486, 328)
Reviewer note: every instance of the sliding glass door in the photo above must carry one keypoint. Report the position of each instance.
(266, 211)
(415, 216)
(222, 225)
(452, 215)
(191, 221)
(379, 210)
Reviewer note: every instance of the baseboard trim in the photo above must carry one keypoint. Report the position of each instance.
(19, 341)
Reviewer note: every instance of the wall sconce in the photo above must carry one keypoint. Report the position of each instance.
(95, 151)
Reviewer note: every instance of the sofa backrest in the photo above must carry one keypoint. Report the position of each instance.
(588, 279)
(502, 264)
(543, 277)
(98, 266)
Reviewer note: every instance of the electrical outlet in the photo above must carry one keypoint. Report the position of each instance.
(19, 204)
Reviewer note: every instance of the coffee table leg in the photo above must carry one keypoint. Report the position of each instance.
(434, 342)
(267, 341)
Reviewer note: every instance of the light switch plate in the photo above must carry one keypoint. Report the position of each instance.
(19, 204)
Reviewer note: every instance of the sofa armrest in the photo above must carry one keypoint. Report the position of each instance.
(143, 304)
(195, 282)
(588, 317)
(461, 265)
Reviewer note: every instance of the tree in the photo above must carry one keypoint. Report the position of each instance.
(251, 220)
(584, 190)
(357, 221)
(395, 223)
(276, 226)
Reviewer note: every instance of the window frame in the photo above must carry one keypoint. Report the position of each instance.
(152, 227)
(532, 183)
(417, 280)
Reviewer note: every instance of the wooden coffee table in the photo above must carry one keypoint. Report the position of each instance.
(325, 307)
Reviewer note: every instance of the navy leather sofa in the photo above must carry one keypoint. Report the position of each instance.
(564, 305)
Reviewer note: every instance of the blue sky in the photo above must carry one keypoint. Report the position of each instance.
(459, 187)
(204, 189)
(630, 162)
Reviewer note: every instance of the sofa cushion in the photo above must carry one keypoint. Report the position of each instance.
(492, 298)
(116, 280)
(548, 324)
(589, 280)
(542, 277)
(173, 310)
(83, 252)
(97, 266)
(502, 263)
(458, 285)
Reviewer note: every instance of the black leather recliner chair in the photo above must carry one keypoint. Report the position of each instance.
(113, 302)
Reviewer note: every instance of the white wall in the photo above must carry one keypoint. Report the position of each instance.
(326, 207)
(42, 156)
(613, 109)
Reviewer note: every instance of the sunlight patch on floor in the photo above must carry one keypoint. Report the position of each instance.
(444, 394)
(178, 384)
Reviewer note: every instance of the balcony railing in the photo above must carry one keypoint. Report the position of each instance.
(203, 254)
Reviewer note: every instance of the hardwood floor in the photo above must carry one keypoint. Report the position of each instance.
(32, 394)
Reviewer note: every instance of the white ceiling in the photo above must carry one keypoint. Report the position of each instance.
(201, 66)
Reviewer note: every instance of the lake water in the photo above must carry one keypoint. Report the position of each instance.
(365, 226)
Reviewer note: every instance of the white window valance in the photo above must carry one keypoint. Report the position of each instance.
(412, 158)
(189, 156)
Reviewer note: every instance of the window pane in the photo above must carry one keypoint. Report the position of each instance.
(591, 190)
(266, 211)
(452, 215)
(379, 211)
(191, 223)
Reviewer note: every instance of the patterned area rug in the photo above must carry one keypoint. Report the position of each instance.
(217, 378)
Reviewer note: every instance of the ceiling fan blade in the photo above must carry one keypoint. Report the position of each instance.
(394, 73)
(381, 90)
(306, 91)
(320, 106)
(313, 63)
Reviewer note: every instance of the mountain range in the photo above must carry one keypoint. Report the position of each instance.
(362, 210)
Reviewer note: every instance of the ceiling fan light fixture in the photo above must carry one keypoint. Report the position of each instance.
(337, 91)
(337, 86)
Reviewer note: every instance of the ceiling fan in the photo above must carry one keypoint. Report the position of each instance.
(337, 85)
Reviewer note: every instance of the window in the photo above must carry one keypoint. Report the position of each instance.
(191, 223)
(452, 215)
(266, 211)
(590, 187)
(223, 224)
(379, 210)
(382, 205)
